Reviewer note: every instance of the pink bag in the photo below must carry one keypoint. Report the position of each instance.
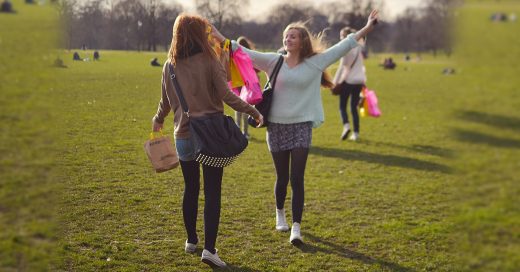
(371, 100)
(236, 90)
(251, 91)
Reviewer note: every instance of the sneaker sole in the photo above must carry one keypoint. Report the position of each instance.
(282, 229)
(211, 264)
(296, 242)
(343, 137)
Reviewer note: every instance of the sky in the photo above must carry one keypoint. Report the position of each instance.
(260, 7)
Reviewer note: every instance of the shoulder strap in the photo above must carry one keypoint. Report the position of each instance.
(178, 90)
(274, 74)
(357, 55)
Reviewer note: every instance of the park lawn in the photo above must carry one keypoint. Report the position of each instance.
(432, 184)
(29, 187)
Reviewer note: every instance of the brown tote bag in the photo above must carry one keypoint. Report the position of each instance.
(161, 152)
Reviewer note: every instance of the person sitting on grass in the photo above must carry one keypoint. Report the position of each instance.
(155, 62)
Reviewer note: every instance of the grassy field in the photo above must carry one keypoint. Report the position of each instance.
(431, 186)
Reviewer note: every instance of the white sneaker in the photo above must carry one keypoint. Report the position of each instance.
(189, 247)
(281, 224)
(212, 259)
(346, 131)
(354, 137)
(296, 237)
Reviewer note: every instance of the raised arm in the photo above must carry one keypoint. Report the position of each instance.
(261, 61)
(332, 54)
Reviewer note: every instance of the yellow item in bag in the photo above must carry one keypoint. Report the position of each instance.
(236, 78)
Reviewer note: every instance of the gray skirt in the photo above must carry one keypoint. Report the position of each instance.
(282, 137)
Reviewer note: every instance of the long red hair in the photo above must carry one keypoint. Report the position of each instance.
(190, 33)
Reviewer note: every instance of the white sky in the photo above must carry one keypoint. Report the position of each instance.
(259, 7)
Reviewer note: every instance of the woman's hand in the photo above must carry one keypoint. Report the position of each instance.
(260, 120)
(216, 34)
(156, 126)
(372, 21)
(372, 18)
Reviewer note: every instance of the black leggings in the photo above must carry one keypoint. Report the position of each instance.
(190, 202)
(298, 159)
(347, 90)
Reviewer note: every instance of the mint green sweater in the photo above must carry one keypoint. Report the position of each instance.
(297, 96)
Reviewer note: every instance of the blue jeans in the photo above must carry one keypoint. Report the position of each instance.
(185, 149)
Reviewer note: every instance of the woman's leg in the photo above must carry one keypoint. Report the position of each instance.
(281, 165)
(298, 163)
(244, 121)
(212, 191)
(343, 100)
(190, 201)
(355, 91)
(238, 118)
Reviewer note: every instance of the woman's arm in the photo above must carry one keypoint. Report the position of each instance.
(164, 108)
(261, 61)
(223, 93)
(332, 54)
(339, 72)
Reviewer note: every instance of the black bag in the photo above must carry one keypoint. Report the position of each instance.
(218, 139)
(267, 96)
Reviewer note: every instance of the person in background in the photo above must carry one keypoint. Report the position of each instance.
(296, 108)
(155, 62)
(240, 118)
(351, 77)
(204, 85)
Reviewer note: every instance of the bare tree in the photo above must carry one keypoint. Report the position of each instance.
(222, 12)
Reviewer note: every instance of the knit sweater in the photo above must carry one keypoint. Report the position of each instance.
(351, 68)
(297, 96)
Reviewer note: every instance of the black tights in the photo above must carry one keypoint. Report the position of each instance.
(190, 202)
(353, 91)
(298, 159)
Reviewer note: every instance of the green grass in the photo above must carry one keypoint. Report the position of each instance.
(431, 186)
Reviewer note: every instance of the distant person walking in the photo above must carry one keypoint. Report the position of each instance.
(204, 86)
(296, 108)
(351, 78)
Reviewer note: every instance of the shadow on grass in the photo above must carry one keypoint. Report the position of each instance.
(425, 149)
(494, 120)
(231, 267)
(322, 245)
(479, 138)
(389, 160)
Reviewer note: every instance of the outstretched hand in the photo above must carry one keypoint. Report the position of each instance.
(372, 18)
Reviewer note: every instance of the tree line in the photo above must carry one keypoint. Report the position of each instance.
(147, 24)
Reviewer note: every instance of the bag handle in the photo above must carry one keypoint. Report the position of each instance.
(156, 134)
(274, 74)
(178, 90)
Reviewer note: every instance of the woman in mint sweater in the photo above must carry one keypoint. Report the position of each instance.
(296, 109)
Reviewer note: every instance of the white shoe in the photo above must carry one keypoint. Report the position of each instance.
(189, 247)
(354, 136)
(346, 131)
(281, 224)
(212, 259)
(296, 237)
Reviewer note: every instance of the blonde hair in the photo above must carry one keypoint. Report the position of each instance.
(311, 45)
(190, 33)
